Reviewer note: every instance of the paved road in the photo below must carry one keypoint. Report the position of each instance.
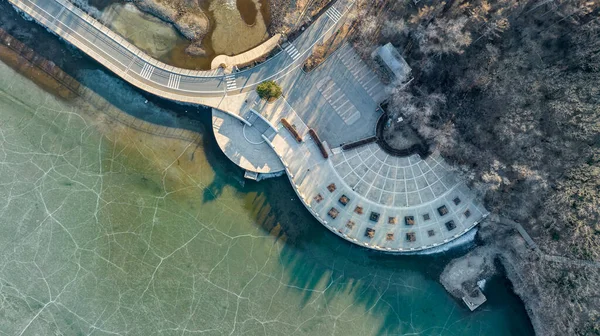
(133, 65)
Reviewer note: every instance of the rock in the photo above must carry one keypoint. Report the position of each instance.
(461, 275)
(187, 16)
(195, 49)
(194, 25)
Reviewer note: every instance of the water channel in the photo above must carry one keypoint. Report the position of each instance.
(105, 229)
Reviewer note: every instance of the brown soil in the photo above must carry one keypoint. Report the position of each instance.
(247, 10)
(323, 50)
(288, 15)
(43, 72)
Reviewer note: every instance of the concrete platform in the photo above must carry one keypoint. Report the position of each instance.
(364, 195)
(246, 57)
(475, 299)
(244, 145)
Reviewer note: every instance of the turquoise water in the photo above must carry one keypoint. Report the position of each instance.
(108, 230)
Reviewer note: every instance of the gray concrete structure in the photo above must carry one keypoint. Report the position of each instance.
(242, 142)
(406, 203)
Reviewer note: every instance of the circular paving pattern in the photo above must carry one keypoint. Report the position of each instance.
(394, 181)
(392, 203)
(252, 135)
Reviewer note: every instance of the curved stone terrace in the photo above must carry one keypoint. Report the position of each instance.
(410, 203)
(364, 195)
(241, 140)
(373, 199)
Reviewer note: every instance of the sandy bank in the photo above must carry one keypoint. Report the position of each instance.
(188, 17)
(147, 32)
(560, 297)
(231, 34)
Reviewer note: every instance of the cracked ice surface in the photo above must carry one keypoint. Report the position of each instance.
(105, 230)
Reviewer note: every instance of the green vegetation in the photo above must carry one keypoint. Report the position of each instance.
(269, 90)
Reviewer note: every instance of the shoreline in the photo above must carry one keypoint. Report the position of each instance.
(503, 252)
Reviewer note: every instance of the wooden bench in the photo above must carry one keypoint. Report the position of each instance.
(291, 129)
(316, 139)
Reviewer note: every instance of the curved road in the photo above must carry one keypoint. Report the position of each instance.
(127, 61)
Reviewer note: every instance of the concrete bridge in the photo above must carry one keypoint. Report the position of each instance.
(210, 88)
(364, 195)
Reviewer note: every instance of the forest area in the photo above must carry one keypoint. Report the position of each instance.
(509, 92)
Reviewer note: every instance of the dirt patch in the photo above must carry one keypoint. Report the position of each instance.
(231, 34)
(400, 136)
(145, 31)
(41, 71)
(247, 10)
(323, 50)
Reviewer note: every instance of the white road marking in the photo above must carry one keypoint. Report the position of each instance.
(36, 10)
(230, 80)
(337, 99)
(174, 81)
(54, 19)
(333, 14)
(361, 73)
(292, 51)
(368, 81)
(147, 71)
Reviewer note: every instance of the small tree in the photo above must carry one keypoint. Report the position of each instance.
(269, 90)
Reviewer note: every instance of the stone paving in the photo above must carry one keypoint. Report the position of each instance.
(414, 199)
(353, 215)
(243, 144)
(364, 195)
(246, 57)
(394, 181)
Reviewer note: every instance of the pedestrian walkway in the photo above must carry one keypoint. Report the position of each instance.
(231, 84)
(247, 57)
(292, 51)
(333, 14)
(174, 81)
(147, 70)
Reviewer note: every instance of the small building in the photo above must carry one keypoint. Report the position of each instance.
(393, 63)
(474, 299)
